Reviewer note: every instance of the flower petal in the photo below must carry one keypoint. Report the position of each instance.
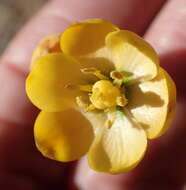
(46, 84)
(85, 37)
(50, 44)
(119, 148)
(132, 55)
(153, 103)
(63, 136)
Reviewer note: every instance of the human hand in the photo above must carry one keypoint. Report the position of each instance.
(23, 167)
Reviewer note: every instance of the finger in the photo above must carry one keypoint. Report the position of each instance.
(167, 35)
(172, 51)
(164, 164)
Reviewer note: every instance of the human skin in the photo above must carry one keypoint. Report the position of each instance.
(23, 167)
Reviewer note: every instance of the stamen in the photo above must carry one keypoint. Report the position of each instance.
(111, 117)
(84, 103)
(95, 72)
(119, 78)
(70, 86)
(117, 83)
(81, 102)
(91, 107)
(86, 88)
(116, 75)
(121, 101)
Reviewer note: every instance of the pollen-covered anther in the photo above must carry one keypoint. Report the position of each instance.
(117, 78)
(121, 101)
(81, 102)
(85, 88)
(91, 107)
(116, 75)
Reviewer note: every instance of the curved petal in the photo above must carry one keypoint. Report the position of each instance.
(119, 148)
(96, 118)
(153, 103)
(132, 55)
(63, 136)
(50, 44)
(85, 37)
(46, 84)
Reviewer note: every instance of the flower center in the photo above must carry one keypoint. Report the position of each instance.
(106, 93)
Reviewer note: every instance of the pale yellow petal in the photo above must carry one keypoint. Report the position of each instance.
(85, 37)
(132, 55)
(153, 103)
(63, 136)
(50, 44)
(46, 85)
(118, 148)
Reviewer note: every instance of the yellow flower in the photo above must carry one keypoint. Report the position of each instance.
(102, 94)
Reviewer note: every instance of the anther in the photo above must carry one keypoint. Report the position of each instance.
(95, 72)
(81, 102)
(70, 86)
(116, 75)
(121, 101)
(85, 88)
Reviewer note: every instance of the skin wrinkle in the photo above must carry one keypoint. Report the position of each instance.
(15, 69)
(25, 50)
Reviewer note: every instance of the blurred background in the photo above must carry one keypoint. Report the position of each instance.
(13, 14)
